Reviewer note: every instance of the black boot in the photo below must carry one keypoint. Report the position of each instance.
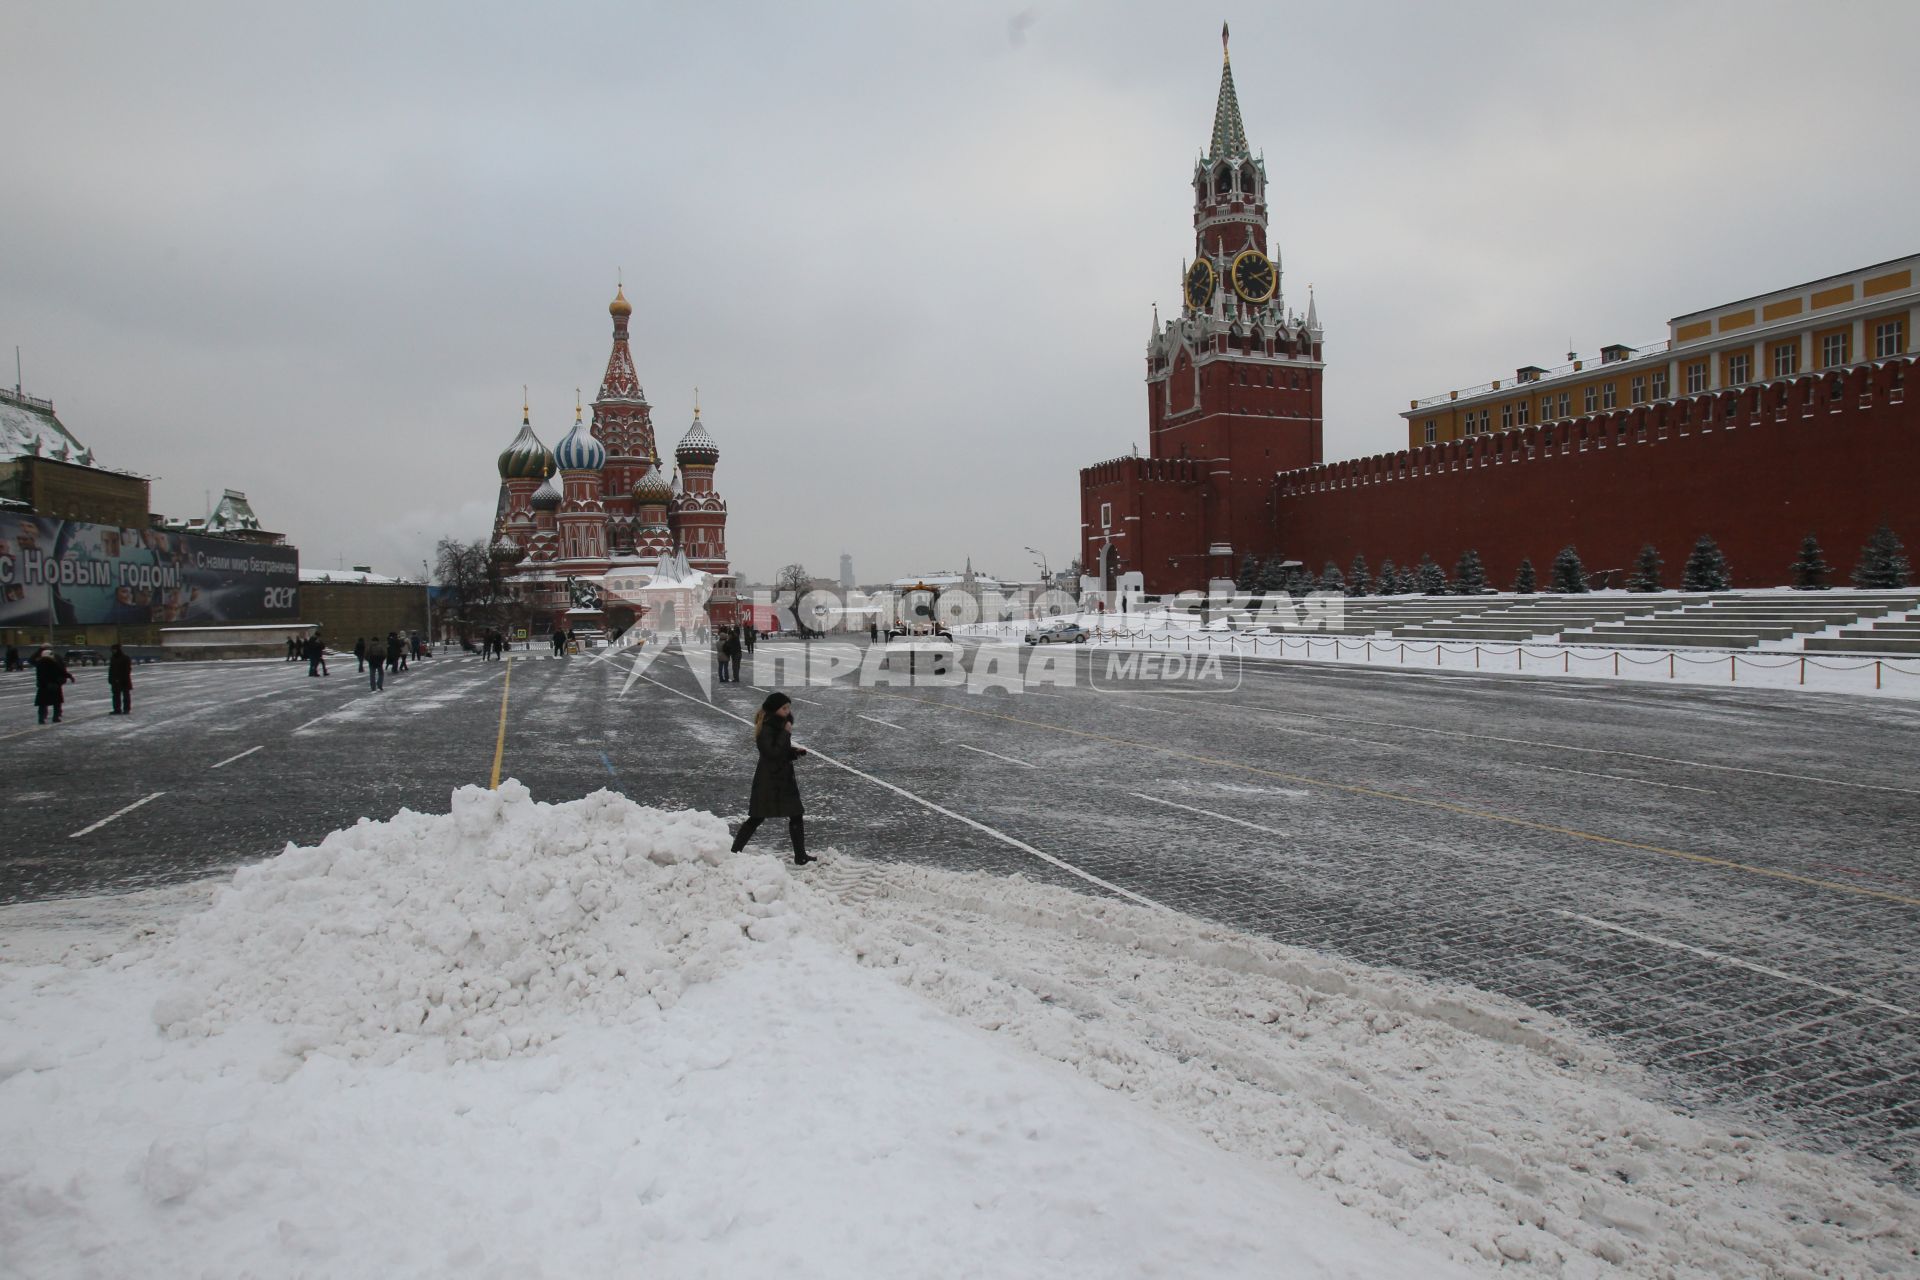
(797, 828)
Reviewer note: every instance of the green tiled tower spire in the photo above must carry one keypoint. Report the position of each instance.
(1229, 135)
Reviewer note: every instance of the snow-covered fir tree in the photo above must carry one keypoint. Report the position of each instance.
(1299, 583)
(1331, 579)
(1389, 578)
(1469, 575)
(1249, 579)
(1430, 579)
(1569, 575)
(1359, 581)
(1811, 569)
(1524, 582)
(1706, 568)
(1646, 570)
(1883, 564)
(1273, 575)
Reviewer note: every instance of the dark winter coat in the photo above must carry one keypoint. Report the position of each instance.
(120, 672)
(50, 678)
(730, 647)
(776, 792)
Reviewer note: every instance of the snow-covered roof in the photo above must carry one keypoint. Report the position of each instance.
(29, 428)
(351, 575)
(946, 578)
(233, 512)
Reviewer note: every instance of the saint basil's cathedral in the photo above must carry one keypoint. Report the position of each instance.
(596, 533)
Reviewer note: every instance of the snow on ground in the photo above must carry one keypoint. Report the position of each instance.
(1767, 667)
(522, 1039)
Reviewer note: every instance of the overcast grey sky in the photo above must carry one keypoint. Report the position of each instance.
(908, 252)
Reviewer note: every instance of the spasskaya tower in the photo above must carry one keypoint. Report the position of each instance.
(1233, 389)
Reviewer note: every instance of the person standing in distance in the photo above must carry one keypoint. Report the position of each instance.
(776, 792)
(120, 681)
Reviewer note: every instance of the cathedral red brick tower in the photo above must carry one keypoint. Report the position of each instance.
(623, 422)
(582, 518)
(1233, 390)
(698, 513)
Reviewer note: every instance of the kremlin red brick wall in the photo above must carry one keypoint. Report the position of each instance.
(1757, 469)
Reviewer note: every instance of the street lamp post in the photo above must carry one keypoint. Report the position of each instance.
(1046, 574)
(426, 577)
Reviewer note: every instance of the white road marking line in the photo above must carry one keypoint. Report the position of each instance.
(118, 813)
(1619, 777)
(995, 754)
(925, 803)
(316, 720)
(890, 724)
(1224, 817)
(1719, 958)
(242, 756)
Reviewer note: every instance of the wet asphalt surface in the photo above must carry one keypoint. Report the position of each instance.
(1725, 883)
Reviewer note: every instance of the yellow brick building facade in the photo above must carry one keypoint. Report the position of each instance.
(1866, 314)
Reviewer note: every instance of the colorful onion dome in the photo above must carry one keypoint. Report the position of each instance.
(546, 497)
(526, 458)
(697, 448)
(580, 451)
(653, 487)
(620, 306)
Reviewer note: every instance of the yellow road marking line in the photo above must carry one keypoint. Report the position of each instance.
(500, 743)
(1463, 810)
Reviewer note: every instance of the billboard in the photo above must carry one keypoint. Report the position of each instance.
(71, 573)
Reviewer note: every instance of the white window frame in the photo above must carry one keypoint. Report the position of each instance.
(1638, 391)
(1522, 411)
(1786, 359)
(1591, 400)
(1833, 350)
(1566, 404)
(1739, 368)
(1433, 431)
(1889, 337)
(1696, 377)
(1106, 515)
(1506, 417)
(1608, 396)
(1659, 384)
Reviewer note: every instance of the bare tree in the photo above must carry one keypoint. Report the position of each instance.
(794, 578)
(474, 590)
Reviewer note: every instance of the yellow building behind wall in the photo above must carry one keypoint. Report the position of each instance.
(1861, 315)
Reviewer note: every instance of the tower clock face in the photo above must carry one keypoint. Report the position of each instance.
(1253, 276)
(1200, 283)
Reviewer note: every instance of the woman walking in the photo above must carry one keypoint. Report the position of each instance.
(776, 792)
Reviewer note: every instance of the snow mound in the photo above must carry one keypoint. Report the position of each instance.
(489, 929)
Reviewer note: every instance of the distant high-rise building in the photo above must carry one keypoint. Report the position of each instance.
(846, 570)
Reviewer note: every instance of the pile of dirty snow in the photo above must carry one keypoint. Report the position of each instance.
(489, 930)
